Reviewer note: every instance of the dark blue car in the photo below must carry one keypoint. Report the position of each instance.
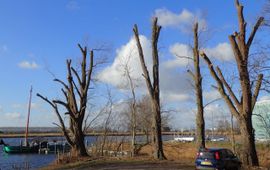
(216, 159)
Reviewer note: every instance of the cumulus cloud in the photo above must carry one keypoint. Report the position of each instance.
(180, 52)
(126, 55)
(28, 65)
(72, 6)
(173, 86)
(184, 20)
(222, 52)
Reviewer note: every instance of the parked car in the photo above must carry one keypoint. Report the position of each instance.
(216, 159)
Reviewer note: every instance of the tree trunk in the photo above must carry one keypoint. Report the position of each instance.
(248, 150)
(200, 125)
(157, 135)
(153, 88)
(79, 146)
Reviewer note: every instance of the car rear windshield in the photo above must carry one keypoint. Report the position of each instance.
(206, 155)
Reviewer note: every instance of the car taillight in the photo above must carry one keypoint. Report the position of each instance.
(217, 155)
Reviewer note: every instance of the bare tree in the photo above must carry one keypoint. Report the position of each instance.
(144, 116)
(196, 76)
(241, 107)
(75, 92)
(153, 88)
(108, 110)
(131, 85)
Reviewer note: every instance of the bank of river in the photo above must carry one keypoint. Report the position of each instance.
(34, 161)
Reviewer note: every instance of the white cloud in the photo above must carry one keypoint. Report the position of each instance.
(72, 6)
(173, 86)
(126, 55)
(13, 115)
(222, 52)
(172, 97)
(28, 65)
(180, 52)
(184, 20)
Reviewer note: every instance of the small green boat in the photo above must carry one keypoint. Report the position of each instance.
(20, 149)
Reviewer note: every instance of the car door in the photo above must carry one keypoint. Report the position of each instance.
(233, 160)
(225, 159)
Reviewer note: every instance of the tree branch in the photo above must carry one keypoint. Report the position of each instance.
(91, 65)
(234, 98)
(185, 57)
(141, 55)
(236, 50)
(211, 102)
(61, 82)
(76, 74)
(71, 95)
(191, 74)
(63, 127)
(220, 85)
(255, 28)
(257, 90)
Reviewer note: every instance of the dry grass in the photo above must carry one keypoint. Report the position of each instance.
(184, 153)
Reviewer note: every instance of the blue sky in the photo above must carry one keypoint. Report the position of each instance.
(37, 36)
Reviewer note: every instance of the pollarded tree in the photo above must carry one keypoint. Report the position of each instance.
(153, 88)
(241, 107)
(75, 92)
(197, 78)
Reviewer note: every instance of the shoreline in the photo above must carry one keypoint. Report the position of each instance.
(58, 134)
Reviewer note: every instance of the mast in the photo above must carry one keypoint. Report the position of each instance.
(28, 116)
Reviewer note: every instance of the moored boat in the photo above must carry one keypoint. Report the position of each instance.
(23, 148)
(20, 149)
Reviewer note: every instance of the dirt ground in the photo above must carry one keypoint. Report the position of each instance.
(163, 165)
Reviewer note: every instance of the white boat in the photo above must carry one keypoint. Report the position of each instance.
(184, 139)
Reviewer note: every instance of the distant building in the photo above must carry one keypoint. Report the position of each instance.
(261, 119)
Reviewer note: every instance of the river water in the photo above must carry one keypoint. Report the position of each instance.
(35, 161)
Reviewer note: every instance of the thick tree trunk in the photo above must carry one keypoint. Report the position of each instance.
(200, 125)
(153, 88)
(78, 147)
(156, 132)
(75, 93)
(248, 149)
(200, 128)
(241, 107)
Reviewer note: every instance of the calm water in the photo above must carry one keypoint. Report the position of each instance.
(35, 161)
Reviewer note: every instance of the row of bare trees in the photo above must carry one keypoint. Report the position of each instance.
(76, 90)
(240, 106)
